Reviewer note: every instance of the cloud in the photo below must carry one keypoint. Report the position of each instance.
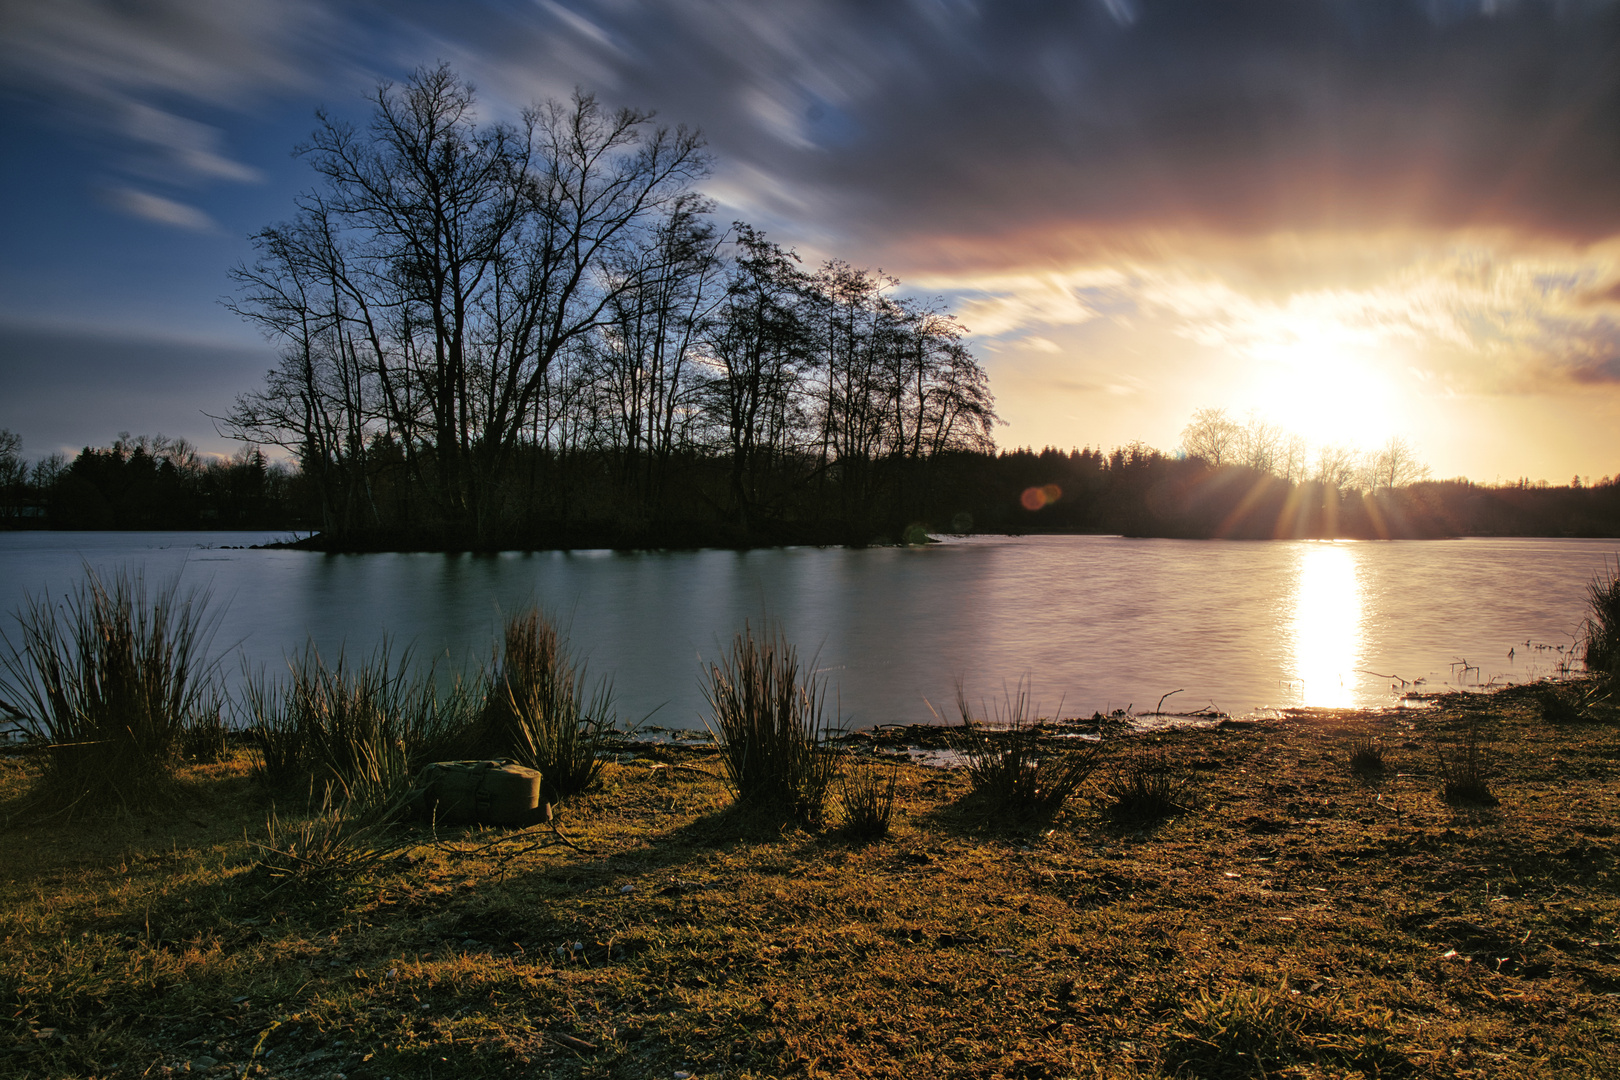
(976, 122)
(1477, 314)
(123, 71)
(66, 388)
(943, 130)
(163, 211)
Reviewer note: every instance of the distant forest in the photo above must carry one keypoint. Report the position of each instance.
(147, 483)
(533, 335)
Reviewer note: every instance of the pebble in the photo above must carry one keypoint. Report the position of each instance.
(204, 1062)
(627, 889)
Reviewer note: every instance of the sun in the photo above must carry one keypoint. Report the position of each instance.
(1327, 389)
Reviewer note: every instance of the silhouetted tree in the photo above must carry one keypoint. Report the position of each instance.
(441, 270)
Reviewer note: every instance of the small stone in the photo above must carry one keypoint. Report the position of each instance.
(627, 889)
(204, 1062)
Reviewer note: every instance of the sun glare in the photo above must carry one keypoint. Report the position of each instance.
(1326, 390)
(1326, 629)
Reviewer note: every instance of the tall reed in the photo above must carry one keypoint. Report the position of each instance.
(1603, 623)
(364, 726)
(769, 720)
(110, 680)
(541, 712)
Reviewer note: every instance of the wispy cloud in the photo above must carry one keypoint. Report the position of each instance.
(155, 208)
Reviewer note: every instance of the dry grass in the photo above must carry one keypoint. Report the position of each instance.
(1302, 918)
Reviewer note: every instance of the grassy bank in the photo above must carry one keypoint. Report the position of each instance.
(1295, 917)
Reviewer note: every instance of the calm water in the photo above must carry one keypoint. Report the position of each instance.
(1093, 622)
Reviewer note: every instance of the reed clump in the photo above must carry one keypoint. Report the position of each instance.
(1147, 788)
(1367, 757)
(1602, 631)
(363, 726)
(1012, 766)
(110, 681)
(1269, 1031)
(768, 718)
(866, 792)
(1465, 771)
(1244, 1032)
(348, 835)
(541, 711)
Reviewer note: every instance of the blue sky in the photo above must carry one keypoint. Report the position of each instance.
(1358, 218)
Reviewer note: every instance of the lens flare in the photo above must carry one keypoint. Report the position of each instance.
(1037, 497)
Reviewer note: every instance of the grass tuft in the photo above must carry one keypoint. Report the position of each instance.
(1465, 771)
(540, 712)
(1011, 766)
(866, 792)
(1367, 757)
(348, 835)
(768, 719)
(1148, 788)
(1244, 1032)
(110, 681)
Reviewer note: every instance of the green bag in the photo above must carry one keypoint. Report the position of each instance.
(480, 792)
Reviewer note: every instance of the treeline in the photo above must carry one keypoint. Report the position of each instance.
(533, 332)
(144, 482)
(1139, 491)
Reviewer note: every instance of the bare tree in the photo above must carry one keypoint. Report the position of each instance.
(1337, 465)
(1395, 465)
(1212, 436)
(445, 265)
(760, 357)
(1292, 457)
(1259, 444)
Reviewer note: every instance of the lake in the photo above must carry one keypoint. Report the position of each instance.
(1090, 622)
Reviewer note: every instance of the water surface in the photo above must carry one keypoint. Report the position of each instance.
(1096, 623)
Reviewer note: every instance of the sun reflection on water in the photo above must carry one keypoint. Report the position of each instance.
(1326, 629)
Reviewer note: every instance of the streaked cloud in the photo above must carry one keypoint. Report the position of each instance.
(156, 208)
(128, 72)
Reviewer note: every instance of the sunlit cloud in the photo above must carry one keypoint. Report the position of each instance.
(1493, 319)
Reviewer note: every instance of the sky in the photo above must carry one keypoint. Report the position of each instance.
(1357, 219)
